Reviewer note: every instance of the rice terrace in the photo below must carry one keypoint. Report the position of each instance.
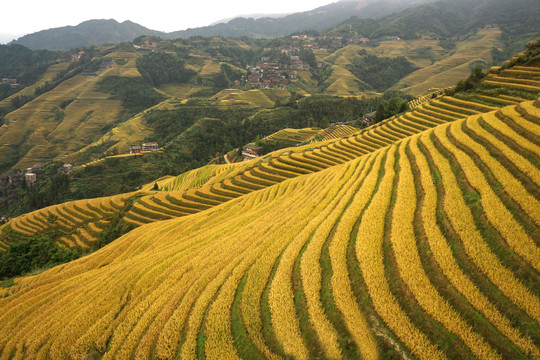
(406, 226)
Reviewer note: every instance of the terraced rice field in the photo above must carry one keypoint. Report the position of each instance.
(198, 177)
(413, 238)
(344, 83)
(337, 131)
(406, 240)
(48, 76)
(518, 77)
(252, 98)
(80, 222)
(45, 131)
(293, 136)
(446, 71)
(413, 104)
(210, 186)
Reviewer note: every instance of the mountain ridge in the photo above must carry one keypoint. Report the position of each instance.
(99, 31)
(87, 33)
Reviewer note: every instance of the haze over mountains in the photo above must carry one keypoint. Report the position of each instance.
(96, 32)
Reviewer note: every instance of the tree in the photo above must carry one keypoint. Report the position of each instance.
(380, 113)
(220, 81)
(160, 68)
(307, 56)
(391, 107)
(380, 72)
(324, 122)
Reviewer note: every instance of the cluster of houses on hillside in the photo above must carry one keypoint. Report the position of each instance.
(266, 75)
(11, 82)
(323, 41)
(147, 45)
(11, 182)
(73, 57)
(149, 146)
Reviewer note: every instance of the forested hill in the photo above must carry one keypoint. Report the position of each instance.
(446, 18)
(22, 65)
(91, 32)
(319, 19)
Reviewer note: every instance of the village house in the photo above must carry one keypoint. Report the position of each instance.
(30, 178)
(251, 152)
(359, 40)
(150, 146)
(76, 56)
(368, 119)
(11, 82)
(65, 169)
(32, 173)
(36, 169)
(135, 149)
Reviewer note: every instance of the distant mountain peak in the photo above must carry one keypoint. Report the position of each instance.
(89, 32)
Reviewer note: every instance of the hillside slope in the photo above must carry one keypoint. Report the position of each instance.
(502, 87)
(475, 51)
(425, 248)
(75, 111)
(76, 124)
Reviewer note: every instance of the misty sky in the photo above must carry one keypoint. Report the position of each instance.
(24, 17)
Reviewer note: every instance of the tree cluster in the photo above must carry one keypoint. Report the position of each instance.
(380, 72)
(28, 254)
(135, 93)
(470, 83)
(391, 107)
(159, 68)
